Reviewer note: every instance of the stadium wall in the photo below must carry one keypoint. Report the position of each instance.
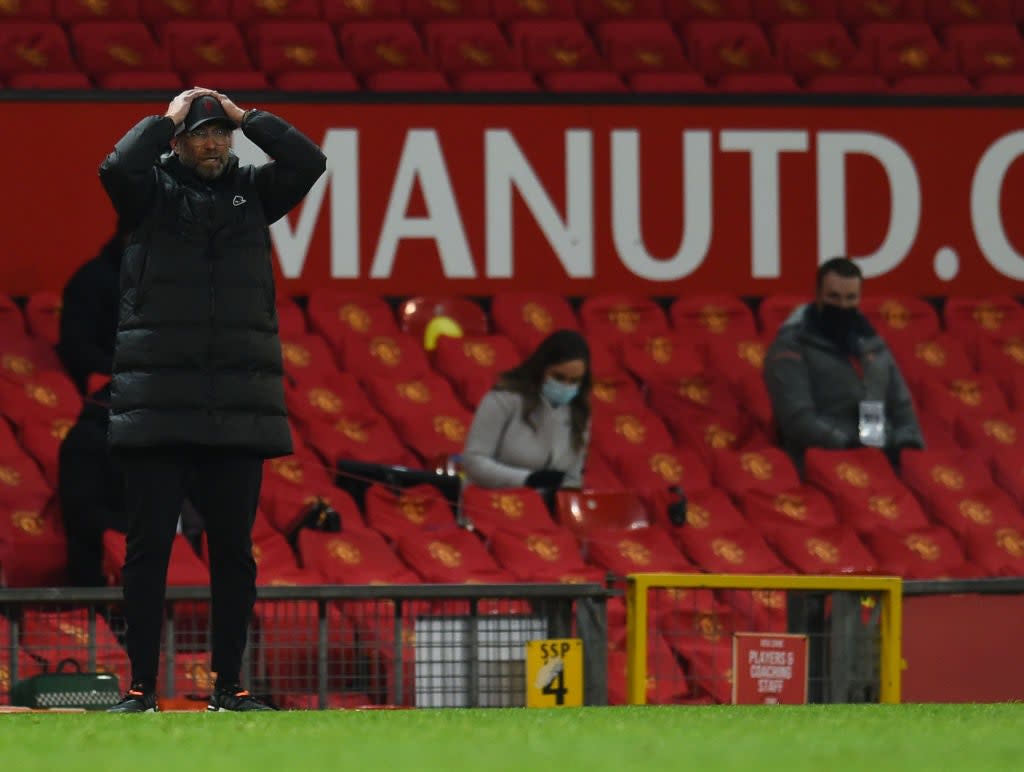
(578, 196)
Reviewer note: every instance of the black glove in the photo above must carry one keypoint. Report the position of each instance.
(545, 478)
(321, 516)
(677, 506)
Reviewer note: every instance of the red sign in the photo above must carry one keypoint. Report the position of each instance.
(769, 669)
(579, 199)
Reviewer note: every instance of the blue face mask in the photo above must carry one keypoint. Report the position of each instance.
(558, 393)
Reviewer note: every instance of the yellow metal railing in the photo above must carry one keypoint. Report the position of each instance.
(890, 589)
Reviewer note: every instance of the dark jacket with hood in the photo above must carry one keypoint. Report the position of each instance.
(816, 385)
(88, 319)
(198, 359)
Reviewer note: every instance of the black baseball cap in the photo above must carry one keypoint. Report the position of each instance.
(204, 109)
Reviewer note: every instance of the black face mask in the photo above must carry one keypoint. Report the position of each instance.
(840, 325)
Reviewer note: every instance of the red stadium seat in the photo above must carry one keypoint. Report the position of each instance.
(1003, 359)
(740, 363)
(53, 636)
(249, 11)
(984, 49)
(364, 10)
(74, 11)
(717, 10)
(353, 557)
(47, 396)
(925, 553)
(295, 46)
(326, 399)
(856, 12)
(160, 12)
(899, 318)
(514, 510)
(1000, 83)
(708, 511)
(691, 404)
(505, 11)
(629, 551)
(404, 398)
(473, 364)
(729, 551)
(646, 470)
(598, 474)
(941, 13)
(1000, 434)
(976, 319)
(417, 511)
(387, 356)
(662, 357)
(905, 49)
(616, 392)
(339, 315)
(941, 358)
(768, 470)
(711, 318)
(457, 46)
(999, 551)
(542, 555)
(529, 317)
(641, 46)
(205, 46)
(718, 48)
(366, 437)
(970, 398)
(864, 490)
(316, 81)
(957, 490)
(21, 484)
(62, 81)
(613, 319)
(27, 10)
(801, 506)
(381, 46)
(618, 432)
(932, 84)
(774, 12)
(32, 547)
(835, 550)
(586, 512)
(426, 10)
(105, 47)
(551, 45)
(451, 557)
(42, 439)
(597, 11)
(291, 320)
(34, 47)
(291, 484)
(578, 82)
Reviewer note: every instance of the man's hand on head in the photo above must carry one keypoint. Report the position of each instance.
(178, 107)
(235, 113)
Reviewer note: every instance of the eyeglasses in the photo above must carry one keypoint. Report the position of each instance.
(219, 134)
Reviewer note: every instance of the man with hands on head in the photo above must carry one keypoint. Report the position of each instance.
(197, 400)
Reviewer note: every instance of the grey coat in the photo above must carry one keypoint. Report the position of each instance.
(816, 391)
(502, 449)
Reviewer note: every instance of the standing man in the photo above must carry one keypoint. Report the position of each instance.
(832, 380)
(197, 401)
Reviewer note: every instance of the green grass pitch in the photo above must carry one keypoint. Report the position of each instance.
(875, 738)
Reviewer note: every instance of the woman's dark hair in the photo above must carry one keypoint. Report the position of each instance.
(528, 378)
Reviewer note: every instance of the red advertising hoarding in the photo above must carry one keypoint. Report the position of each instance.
(578, 199)
(769, 669)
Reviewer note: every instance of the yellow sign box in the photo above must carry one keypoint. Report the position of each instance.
(554, 673)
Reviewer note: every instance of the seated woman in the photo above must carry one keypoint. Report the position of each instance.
(533, 427)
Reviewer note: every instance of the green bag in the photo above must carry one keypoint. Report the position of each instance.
(92, 691)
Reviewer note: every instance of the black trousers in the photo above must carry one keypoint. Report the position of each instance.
(224, 486)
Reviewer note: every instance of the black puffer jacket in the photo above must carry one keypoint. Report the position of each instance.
(198, 359)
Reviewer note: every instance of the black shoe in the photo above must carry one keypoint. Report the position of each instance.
(235, 699)
(136, 701)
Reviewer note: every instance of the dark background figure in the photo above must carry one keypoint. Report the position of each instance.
(88, 320)
(91, 491)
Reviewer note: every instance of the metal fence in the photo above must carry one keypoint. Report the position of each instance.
(681, 630)
(324, 646)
